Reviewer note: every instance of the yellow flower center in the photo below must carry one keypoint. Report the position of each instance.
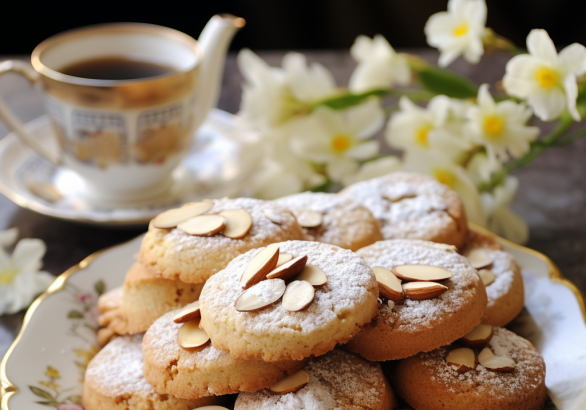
(444, 176)
(493, 125)
(460, 30)
(340, 143)
(421, 136)
(7, 276)
(546, 77)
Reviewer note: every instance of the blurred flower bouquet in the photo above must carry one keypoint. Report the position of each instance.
(319, 136)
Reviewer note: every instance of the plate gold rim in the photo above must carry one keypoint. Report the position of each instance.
(8, 389)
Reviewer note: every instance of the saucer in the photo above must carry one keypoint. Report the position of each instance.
(222, 158)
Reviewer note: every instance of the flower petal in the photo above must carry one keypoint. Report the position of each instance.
(340, 168)
(366, 119)
(28, 254)
(540, 45)
(8, 237)
(374, 169)
(571, 88)
(363, 151)
(547, 104)
(573, 59)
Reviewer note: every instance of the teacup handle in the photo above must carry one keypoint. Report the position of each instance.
(11, 120)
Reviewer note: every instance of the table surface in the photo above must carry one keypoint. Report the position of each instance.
(551, 197)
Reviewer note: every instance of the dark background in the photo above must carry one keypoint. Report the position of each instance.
(291, 25)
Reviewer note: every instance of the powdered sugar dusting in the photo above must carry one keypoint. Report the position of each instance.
(117, 369)
(350, 285)
(528, 374)
(407, 205)
(502, 266)
(411, 315)
(337, 380)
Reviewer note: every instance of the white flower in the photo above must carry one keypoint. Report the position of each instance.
(337, 137)
(374, 169)
(501, 220)
(271, 96)
(458, 31)
(500, 127)
(20, 279)
(454, 176)
(481, 167)
(547, 80)
(379, 66)
(431, 128)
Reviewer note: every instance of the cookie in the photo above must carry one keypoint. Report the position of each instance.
(403, 329)
(412, 206)
(336, 313)
(193, 259)
(503, 281)
(342, 222)
(114, 381)
(193, 373)
(337, 380)
(427, 381)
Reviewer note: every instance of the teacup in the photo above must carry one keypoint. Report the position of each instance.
(125, 131)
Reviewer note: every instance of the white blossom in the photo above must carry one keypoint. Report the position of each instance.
(547, 80)
(338, 138)
(374, 169)
(20, 278)
(379, 65)
(458, 31)
(500, 127)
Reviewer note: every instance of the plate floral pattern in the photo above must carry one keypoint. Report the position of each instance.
(46, 364)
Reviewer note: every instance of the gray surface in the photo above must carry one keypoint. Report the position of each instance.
(552, 196)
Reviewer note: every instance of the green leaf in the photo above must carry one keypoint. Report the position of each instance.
(440, 81)
(74, 399)
(350, 99)
(48, 403)
(100, 287)
(75, 314)
(42, 393)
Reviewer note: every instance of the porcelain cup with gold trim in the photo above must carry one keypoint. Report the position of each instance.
(124, 137)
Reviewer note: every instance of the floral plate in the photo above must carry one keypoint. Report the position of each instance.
(45, 365)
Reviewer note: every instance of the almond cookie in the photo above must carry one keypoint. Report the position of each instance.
(335, 312)
(114, 381)
(205, 371)
(193, 259)
(328, 218)
(402, 329)
(501, 276)
(337, 380)
(514, 381)
(412, 206)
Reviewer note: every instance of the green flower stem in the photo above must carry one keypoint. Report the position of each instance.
(537, 147)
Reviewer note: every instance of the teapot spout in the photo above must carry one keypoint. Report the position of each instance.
(214, 40)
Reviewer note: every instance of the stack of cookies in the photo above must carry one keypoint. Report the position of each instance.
(368, 298)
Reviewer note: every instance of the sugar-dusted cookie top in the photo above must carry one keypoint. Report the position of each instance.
(412, 206)
(193, 259)
(343, 223)
(402, 329)
(337, 380)
(117, 371)
(205, 371)
(336, 313)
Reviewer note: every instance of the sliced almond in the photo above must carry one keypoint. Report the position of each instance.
(289, 269)
(463, 359)
(314, 275)
(261, 295)
(187, 313)
(105, 335)
(190, 335)
(496, 363)
(479, 258)
(298, 295)
(479, 336)
(203, 225)
(173, 217)
(309, 218)
(423, 290)
(486, 276)
(391, 304)
(284, 258)
(291, 383)
(238, 223)
(260, 266)
(388, 284)
(273, 216)
(411, 273)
